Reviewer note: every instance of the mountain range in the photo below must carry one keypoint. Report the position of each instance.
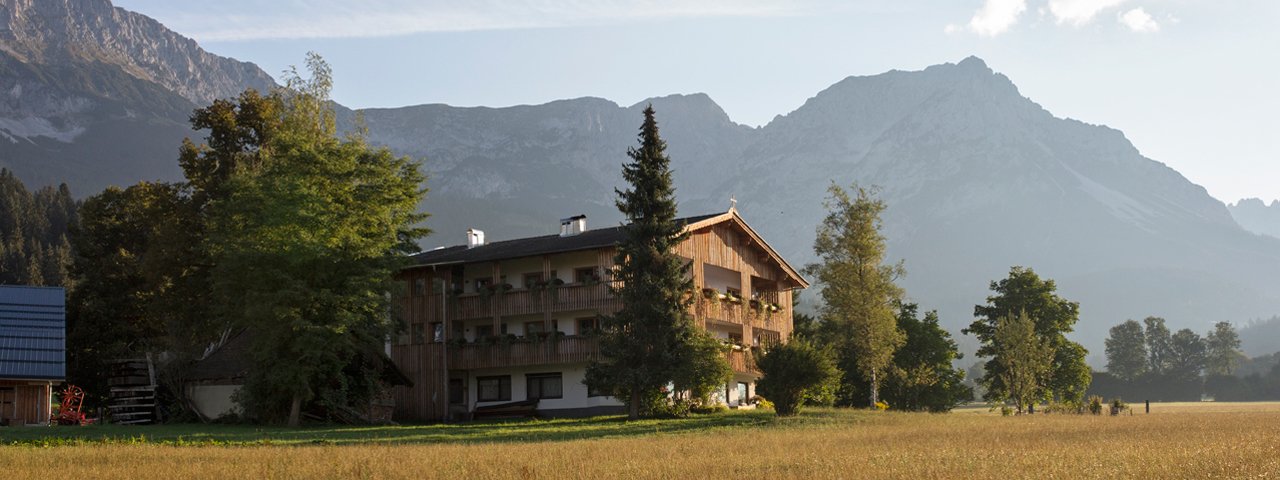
(976, 176)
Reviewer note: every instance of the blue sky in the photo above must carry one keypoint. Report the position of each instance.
(1193, 83)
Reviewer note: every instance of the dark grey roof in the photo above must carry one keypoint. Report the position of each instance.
(33, 328)
(525, 247)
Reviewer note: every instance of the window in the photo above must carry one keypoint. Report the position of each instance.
(532, 329)
(457, 391)
(742, 393)
(735, 338)
(532, 279)
(418, 333)
(543, 385)
(482, 283)
(457, 333)
(420, 287)
(493, 389)
(437, 332)
(585, 275)
(588, 325)
(484, 332)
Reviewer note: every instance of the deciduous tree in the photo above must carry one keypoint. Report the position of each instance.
(1127, 351)
(1024, 360)
(792, 372)
(858, 290)
(1025, 292)
(1224, 353)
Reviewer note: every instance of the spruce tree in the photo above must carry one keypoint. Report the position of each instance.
(653, 341)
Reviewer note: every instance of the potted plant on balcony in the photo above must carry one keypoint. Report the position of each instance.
(733, 298)
(710, 293)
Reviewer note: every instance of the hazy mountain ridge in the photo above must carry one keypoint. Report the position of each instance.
(1256, 216)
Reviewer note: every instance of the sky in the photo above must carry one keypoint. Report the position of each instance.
(1192, 83)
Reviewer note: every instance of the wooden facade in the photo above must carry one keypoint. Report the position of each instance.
(443, 314)
(25, 403)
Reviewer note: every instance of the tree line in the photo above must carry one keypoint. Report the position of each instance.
(35, 231)
(1146, 361)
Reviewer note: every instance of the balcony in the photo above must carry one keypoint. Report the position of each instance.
(522, 353)
(560, 298)
(743, 313)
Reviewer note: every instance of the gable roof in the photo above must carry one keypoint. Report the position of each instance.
(588, 240)
(33, 329)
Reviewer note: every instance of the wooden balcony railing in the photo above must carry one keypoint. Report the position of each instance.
(740, 313)
(524, 353)
(514, 302)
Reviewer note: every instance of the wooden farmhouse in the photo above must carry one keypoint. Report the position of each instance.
(510, 324)
(32, 352)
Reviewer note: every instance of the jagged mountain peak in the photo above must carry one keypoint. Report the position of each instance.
(71, 32)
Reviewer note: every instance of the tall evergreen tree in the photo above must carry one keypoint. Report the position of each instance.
(1025, 292)
(858, 290)
(653, 340)
(1127, 351)
(1224, 349)
(34, 226)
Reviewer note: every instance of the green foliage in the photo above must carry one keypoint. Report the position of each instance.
(1127, 351)
(858, 289)
(1095, 404)
(1223, 343)
(1189, 355)
(1052, 317)
(306, 246)
(118, 308)
(653, 341)
(34, 229)
(1024, 360)
(1159, 346)
(792, 372)
(922, 374)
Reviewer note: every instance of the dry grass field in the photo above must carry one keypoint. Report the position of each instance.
(1214, 440)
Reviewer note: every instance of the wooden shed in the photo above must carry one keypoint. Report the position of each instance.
(32, 352)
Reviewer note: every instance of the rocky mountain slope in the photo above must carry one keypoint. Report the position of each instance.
(977, 177)
(1257, 217)
(93, 95)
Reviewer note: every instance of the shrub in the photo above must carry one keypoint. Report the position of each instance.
(792, 370)
(1095, 405)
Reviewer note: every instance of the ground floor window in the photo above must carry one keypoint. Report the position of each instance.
(493, 389)
(594, 391)
(544, 385)
(742, 393)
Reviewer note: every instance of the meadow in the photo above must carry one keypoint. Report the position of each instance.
(1192, 440)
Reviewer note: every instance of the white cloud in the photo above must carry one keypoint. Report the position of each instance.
(994, 18)
(1080, 12)
(226, 21)
(1139, 20)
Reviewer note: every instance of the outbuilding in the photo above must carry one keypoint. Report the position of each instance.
(32, 352)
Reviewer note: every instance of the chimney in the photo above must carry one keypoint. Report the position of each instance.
(475, 238)
(573, 225)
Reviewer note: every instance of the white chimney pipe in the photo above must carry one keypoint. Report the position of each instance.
(475, 238)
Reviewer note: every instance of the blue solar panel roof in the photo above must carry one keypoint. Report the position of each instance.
(33, 325)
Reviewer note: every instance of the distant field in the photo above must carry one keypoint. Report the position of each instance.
(1182, 440)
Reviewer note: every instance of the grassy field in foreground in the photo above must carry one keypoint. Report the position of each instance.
(1175, 441)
